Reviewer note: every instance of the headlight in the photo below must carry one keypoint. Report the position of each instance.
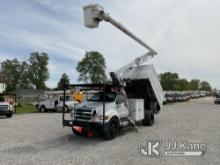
(105, 117)
(11, 107)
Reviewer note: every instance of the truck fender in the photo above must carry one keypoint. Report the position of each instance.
(112, 113)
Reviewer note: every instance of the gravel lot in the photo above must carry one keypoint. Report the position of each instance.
(41, 139)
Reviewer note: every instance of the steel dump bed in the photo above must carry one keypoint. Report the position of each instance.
(143, 82)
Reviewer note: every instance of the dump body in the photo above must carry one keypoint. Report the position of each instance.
(143, 83)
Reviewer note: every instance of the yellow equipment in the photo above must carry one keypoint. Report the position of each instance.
(78, 96)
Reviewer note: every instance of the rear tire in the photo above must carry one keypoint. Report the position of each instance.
(111, 129)
(148, 118)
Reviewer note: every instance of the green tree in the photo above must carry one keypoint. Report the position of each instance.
(38, 70)
(11, 69)
(24, 81)
(92, 68)
(182, 84)
(194, 84)
(204, 85)
(169, 80)
(63, 80)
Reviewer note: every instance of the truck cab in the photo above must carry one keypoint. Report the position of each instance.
(115, 105)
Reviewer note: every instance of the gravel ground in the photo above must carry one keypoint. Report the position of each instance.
(40, 139)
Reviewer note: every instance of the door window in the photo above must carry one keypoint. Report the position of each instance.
(120, 99)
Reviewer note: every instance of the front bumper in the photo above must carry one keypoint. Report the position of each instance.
(90, 125)
(6, 112)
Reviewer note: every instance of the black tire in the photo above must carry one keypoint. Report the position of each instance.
(75, 132)
(148, 119)
(111, 129)
(9, 115)
(42, 109)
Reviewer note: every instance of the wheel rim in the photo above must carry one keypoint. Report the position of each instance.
(42, 109)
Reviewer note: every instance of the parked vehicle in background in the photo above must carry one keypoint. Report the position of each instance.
(53, 101)
(195, 95)
(217, 100)
(180, 96)
(203, 93)
(6, 109)
(217, 97)
(170, 97)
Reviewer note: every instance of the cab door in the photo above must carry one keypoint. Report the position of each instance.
(50, 102)
(120, 106)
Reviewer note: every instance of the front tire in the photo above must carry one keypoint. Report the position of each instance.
(9, 115)
(111, 129)
(42, 109)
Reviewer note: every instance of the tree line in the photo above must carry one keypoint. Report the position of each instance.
(34, 72)
(171, 82)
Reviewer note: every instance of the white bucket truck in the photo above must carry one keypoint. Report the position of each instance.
(53, 101)
(135, 94)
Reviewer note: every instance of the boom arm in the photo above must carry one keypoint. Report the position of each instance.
(93, 14)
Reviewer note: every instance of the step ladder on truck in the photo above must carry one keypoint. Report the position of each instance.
(135, 94)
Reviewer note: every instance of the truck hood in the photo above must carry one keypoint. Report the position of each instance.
(4, 103)
(95, 105)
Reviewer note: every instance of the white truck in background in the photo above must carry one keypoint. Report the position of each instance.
(135, 94)
(53, 101)
(7, 108)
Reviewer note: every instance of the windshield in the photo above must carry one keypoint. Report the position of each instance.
(109, 97)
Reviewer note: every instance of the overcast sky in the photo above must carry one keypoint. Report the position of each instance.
(185, 33)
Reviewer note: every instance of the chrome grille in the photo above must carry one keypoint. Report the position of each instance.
(3, 107)
(83, 114)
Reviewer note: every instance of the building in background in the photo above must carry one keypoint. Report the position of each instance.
(2, 80)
